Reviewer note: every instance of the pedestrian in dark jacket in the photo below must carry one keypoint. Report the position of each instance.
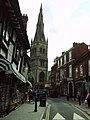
(79, 97)
(30, 95)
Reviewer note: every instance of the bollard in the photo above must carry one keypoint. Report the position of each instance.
(35, 110)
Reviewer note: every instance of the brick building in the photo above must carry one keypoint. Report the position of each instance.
(64, 69)
(81, 74)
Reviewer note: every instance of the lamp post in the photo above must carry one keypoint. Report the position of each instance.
(35, 109)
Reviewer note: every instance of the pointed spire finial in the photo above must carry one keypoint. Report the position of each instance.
(41, 7)
(39, 35)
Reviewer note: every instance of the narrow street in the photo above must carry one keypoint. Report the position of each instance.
(44, 52)
(64, 109)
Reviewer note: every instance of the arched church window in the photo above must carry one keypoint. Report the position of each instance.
(44, 51)
(42, 63)
(34, 50)
(41, 77)
(40, 50)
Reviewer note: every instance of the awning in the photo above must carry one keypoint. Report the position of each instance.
(9, 69)
(18, 75)
(5, 65)
(29, 83)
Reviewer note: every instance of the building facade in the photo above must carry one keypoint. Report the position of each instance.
(81, 74)
(14, 64)
(39, 54)
(64, 75)
(66, 66)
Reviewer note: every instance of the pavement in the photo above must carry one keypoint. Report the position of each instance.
(26, 110)
(84, 107)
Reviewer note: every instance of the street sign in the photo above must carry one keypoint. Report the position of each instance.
(58, 117)
(77, 117)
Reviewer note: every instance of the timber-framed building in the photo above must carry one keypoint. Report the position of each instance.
(14, 44)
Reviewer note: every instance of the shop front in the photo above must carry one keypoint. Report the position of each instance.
(12, 87)
(80, 86)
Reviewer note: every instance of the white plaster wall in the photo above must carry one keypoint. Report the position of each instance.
(2, 53)
(10, 52)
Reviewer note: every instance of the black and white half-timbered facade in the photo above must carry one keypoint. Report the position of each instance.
(14, 65)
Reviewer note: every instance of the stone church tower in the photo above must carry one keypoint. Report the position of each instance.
(39, 54)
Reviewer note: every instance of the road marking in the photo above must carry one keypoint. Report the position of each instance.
(58, 117)
(83, 112)
(77, 117)
(48, 112)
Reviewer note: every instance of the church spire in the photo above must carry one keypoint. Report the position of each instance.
(39, 35)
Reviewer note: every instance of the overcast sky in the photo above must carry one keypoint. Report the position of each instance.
(65, 22)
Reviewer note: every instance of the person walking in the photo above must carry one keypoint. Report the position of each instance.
(79, 97)
(25, 96)
(85, 94)
(30, 95)
(88, 99)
